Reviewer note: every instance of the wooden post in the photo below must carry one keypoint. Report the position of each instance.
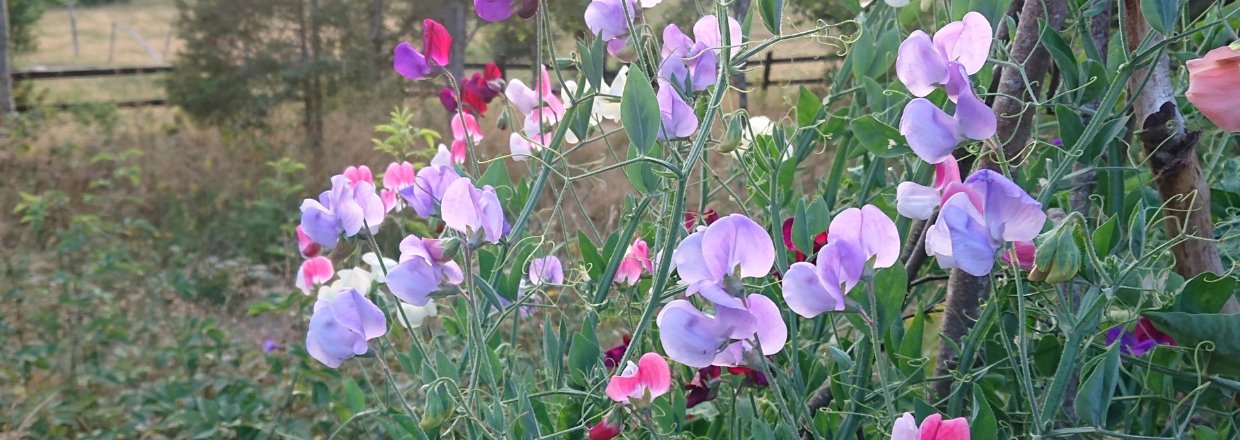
(6, 80)
(740, 8)
(766, 70)
(73, 30)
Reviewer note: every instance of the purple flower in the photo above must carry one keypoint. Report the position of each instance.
(500, 10)
(923, 63)
(932, 134)
(695, 62)
(422, 270)
(978, 217)
(270, 346)
(1140, 340)
(472, 211)
(612, 357)
(341, 325)
(857, 235)
(428, 188)
(608, 19)
(712, 261)
(546, 270)
(678, 118)
(344, 208)
(693, 338)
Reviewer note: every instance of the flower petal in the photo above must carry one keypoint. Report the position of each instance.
(409, 63)
(807, 294)
(737, 241)
(871, 231)
(930, 132)
(916, 201)
(966, 42)
(436, 42)
(920, 65)
(688, 336)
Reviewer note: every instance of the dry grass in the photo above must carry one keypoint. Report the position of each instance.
(150, 20)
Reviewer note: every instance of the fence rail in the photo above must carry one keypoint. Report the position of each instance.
(765, 62)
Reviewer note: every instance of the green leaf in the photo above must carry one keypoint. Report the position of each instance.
(982, 423)
(1094, 396)
(1161, 14)
(583, 356)
(1062, 54)
(639, 112)
(1206, 293)
(891, 288)
(592, 62)
(496, 175)
(911, 344)
(881, 139)
(1109, 132)
(642, 174)
(354, 398)
(1070, 125)
(1191, 329)
(807, 107)
(772, 14)
(1104, 237)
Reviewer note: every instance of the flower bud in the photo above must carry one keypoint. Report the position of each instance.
(438, 408)
(610, 427)
(732, 135)
(504, 121)
(1057, 258)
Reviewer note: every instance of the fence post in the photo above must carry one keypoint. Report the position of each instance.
(766, 70)
(6, 80)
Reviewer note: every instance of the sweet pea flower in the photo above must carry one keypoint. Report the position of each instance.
(424, 268)
(695, 61)
(696, 339)
(427, 191)
(644, 381)
(355, 278)
(1212, 84)
(378, 265)
(542, 110)
(472, 211)
(820, 240)
(608, 106)
(978, 217)
(500, 10)
(708, 217)
(636, 259)
(611, 357)
(932, 134)
(397, 177)
(341, 326)
(416, 315)
(345, 208)
(358, 174)
(465, 132)
(609, 428)
(932, 428)
(307, 246)
(922, 62)
(857, 235)
(436, 45)
(1025, 253)
(1140, 340)
(713, 261)
(547, 270)
(270, 346)
(314, 271)
(918, 201)
(703, 386)
(678, 118)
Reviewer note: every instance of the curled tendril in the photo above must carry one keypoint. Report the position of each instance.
(840, 40)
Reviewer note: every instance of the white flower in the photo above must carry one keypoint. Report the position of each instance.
(376, 271)
(417, 315)
(609, 108)
(758, 126)
(357, 278)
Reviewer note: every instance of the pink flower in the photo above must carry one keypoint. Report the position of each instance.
(436, 45)
(1025, 253)
(542, 110)
(606, 429)
(932, 428)
(644, 381)
(465, 130)
(397, 177)
(917, 201)
(314, 271)
(308, 247)
(636, 260)
(358, 174)
(475, 212)
(1212, 84)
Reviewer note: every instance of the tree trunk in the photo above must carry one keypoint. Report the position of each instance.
(6, 79)
(964, 291)
(377, 39)
(1173, 158)
(456, 15)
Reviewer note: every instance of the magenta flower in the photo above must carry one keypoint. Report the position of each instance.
(427, 191)
(358, 174)
(476, 92)
(693, 338)
(1140, 340)
(611, 357)
(923, 63)
(978, 217)
(345, 208)
(500, 10)
(465, 131)
(857, 235)
(636, 260)
(932, 134)
(307, 246)
(341, 326)
(436, 46)
(547, 269)
(932, 428)
(422, 270)
(314, 271)
(820, 240)
(607, 429)
(714, 260)
(644, 381)
(708, 217)
(472, 211)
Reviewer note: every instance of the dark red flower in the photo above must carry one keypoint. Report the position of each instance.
(611, 358)
(691, 218)
(477, 91)
(447, 97)
(820, 240)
